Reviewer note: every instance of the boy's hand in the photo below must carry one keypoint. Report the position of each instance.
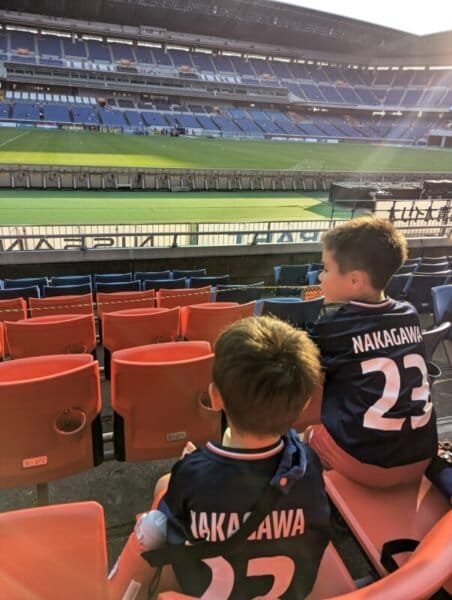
(189, 448)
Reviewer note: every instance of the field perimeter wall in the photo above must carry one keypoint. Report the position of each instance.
(87, 178)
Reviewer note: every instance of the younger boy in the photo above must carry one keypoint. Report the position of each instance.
(378, 424)
(264, 372)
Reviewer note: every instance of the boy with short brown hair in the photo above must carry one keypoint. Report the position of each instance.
(378, 424)
(264, 372)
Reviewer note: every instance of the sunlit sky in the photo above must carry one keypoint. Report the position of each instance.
(418, 16)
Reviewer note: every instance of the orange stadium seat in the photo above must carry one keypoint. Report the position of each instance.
(14, 309)
(62, 437)
(206, 321)
(54, 552)
(377, 515)
(77, 304)
(137, 327)
(55, 334)
(182, 297)
(159, 395)
(114, 301)
(427, 570)
(2, 341)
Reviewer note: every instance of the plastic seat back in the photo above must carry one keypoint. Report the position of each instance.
(54, 552)
(199, 282)
(396, 285)
(432, 267)
(51, 291)
(70, 280)
(418, 290)
(442, 304)
(290, 274)
(207, 321)
(54, 334)
(239, 293)
(166, 284)
(405, 511)
(434, 259)
(426, 572)
(149, 275)
(433, 337)
(188, 273)
(118, 286)
(137, 327)
(49, 418)
(298, 314)
(31, 291)
(182, 297)
(79, 304)
(406, 269)
(13, 310)
(159, 395)
(26, 282)
(113, 302)
(112, 277)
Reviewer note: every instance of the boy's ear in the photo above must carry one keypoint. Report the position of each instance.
(359, 278)
(215, 397)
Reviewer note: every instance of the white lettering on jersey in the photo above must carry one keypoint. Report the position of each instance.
(377, 340)
(216, 527)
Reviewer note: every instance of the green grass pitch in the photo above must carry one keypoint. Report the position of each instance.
(31, 146)
(18, 207)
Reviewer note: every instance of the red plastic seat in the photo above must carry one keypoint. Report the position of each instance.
(182, 297)
(377, 515)
(54, 552)
(332, 579)
(2, 341)
(54, 334)
(137, 327)
(158, 393)
(428, 569)
(77, 304)
(206, 321)
(114, 301)
(13, 310)
(49, 418)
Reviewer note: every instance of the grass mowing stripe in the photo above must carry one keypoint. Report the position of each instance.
(155, 151)
(72, 208)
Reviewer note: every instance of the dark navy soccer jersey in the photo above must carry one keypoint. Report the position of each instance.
(376, 399)
(210, 494)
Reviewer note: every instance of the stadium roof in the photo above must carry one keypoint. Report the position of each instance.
(422, 18)
(261, 21)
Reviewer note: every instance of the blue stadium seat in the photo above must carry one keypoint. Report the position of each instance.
(167, 284)
(432, 267)
(396, 285)
(118, 286)
(239, 293)
(418, 290)
(189, 273)
(31, 291)
(67, 290)
(112, 277)
(214, 280)
(147, 275)
(27, 282)
(297, 312)
(70, 280)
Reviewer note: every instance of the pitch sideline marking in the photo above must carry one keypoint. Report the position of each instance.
(14, 138)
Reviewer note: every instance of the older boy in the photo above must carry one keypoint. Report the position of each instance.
(378, 424)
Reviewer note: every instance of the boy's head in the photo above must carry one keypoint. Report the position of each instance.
(264, 371)
(359, 258)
